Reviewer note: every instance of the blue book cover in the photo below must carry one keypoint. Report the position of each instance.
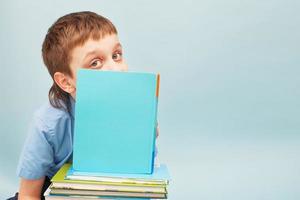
(115, 121)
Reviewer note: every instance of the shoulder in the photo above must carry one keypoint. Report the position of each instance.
(49, 118)
(47, 142)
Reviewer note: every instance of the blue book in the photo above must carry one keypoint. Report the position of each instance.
(115, 122)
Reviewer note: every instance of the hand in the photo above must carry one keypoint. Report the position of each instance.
(157, 130)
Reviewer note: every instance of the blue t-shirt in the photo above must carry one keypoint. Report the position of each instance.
(49, 143)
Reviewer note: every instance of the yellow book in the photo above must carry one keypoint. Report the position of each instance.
(59, 182)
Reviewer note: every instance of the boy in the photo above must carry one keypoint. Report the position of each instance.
(74, 41)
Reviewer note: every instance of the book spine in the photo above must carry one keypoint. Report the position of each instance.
(156, 122)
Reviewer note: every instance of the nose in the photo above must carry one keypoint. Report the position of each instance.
(111, 65)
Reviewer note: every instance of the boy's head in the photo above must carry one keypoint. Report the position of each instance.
(79, 40)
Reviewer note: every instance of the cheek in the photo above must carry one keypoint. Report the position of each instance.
(124, 67)
(74, 82)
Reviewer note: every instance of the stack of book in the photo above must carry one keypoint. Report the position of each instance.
(114, 139)
(69, 184)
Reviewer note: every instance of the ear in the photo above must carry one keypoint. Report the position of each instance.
(65, 82)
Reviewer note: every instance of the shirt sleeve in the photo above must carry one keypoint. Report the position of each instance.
(37, 154)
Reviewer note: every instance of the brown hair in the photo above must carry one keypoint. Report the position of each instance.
(63, 36)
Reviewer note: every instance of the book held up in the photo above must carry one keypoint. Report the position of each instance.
(114, 139)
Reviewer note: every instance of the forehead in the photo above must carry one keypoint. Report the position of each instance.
(104, 44)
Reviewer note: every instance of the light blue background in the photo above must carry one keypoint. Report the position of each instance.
(229, 106)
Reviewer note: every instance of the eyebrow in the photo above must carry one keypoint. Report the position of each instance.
(95, 51)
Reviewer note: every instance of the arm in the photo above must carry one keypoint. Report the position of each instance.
(31, 189)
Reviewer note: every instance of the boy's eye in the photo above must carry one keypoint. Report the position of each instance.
(117, 56)
(96, 63)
